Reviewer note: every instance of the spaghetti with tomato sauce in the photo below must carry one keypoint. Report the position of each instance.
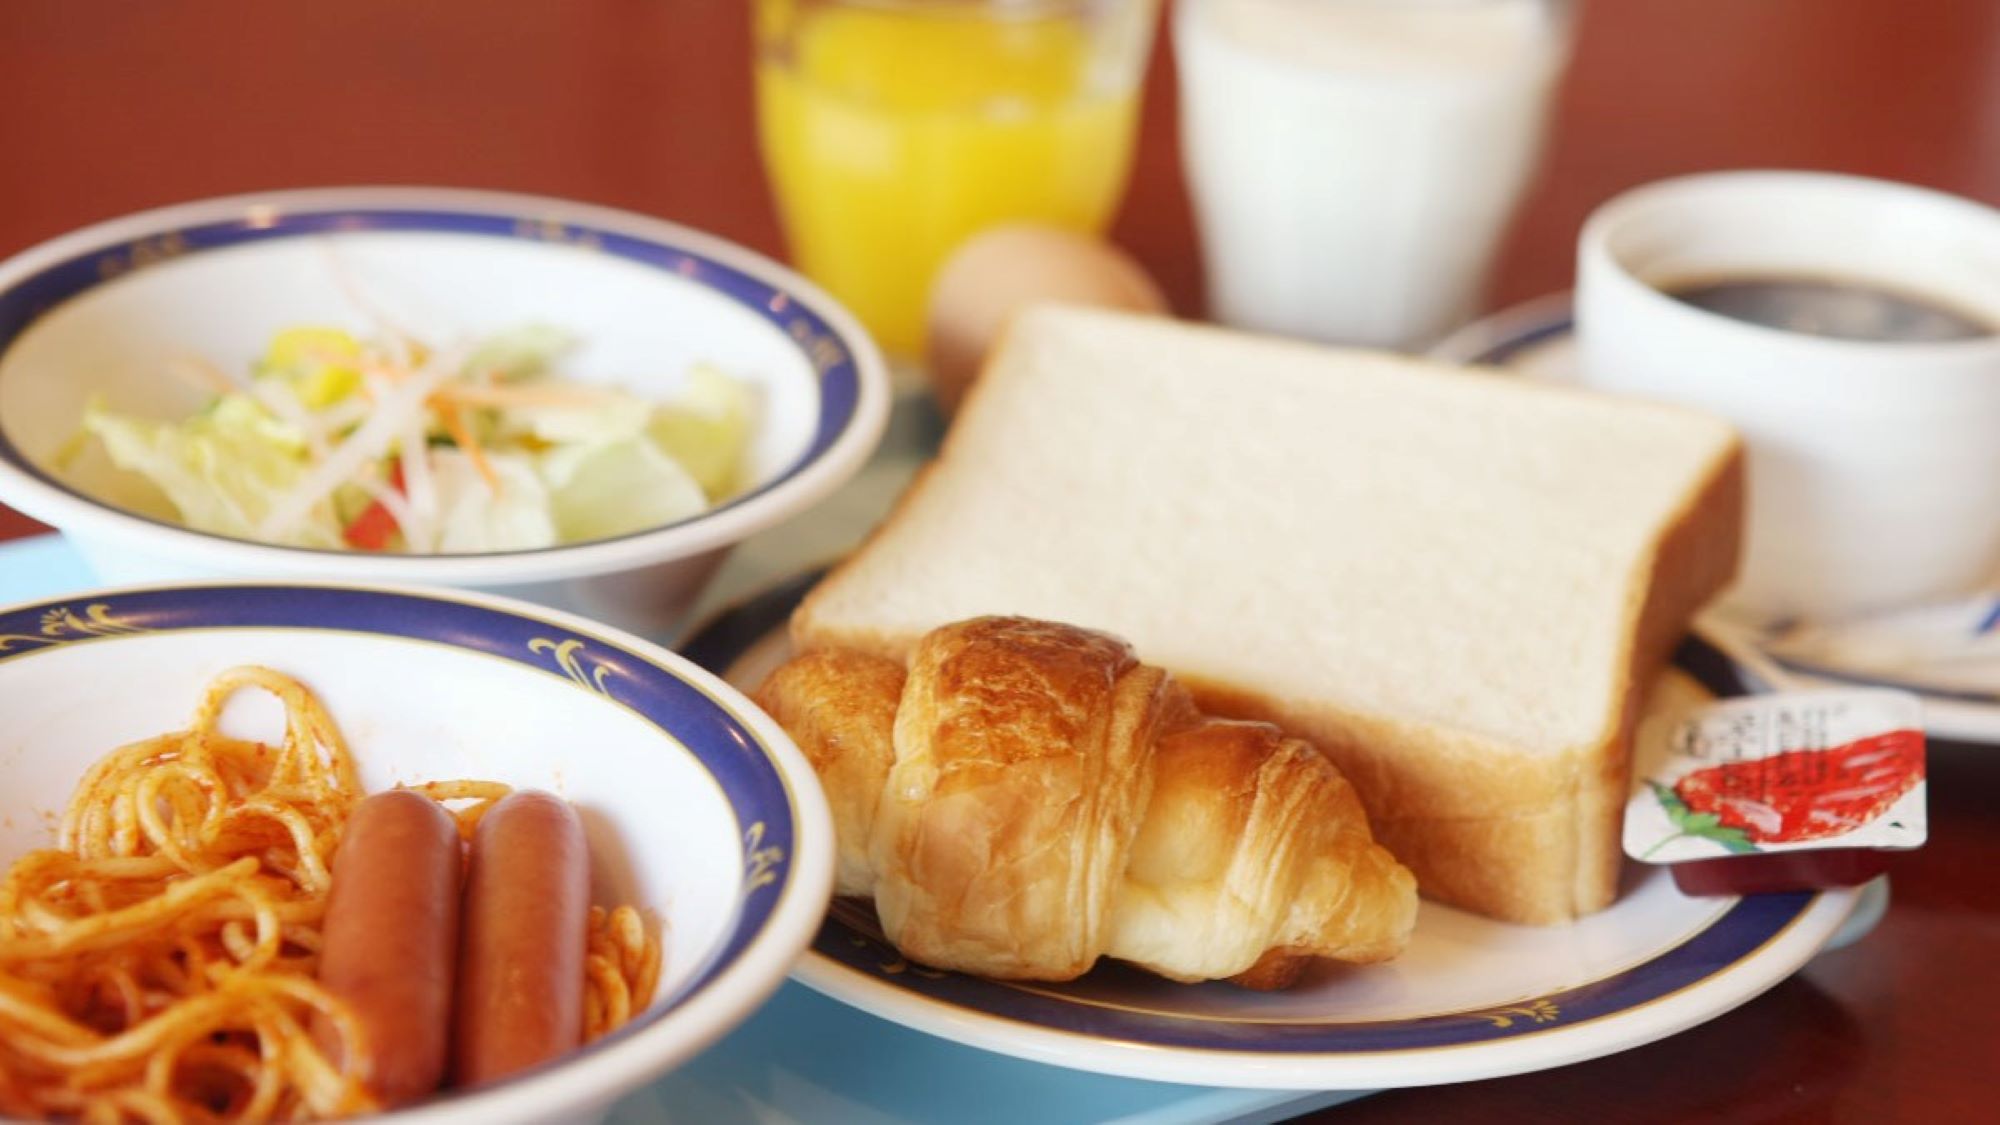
(159, 963)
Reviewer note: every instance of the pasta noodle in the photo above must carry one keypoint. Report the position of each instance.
(157, 965)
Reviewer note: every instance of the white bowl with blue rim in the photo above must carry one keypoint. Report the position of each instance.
(697, 807)
(101, 311)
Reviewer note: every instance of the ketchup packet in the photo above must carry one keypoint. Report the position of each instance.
(1742, 790)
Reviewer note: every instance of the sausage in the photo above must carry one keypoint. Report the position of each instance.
(521, 948)
(390, 939)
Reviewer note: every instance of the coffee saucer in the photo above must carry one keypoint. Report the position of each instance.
(1948, 653)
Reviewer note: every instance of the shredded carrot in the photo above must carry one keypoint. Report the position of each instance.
(475, 395)
(201, 373)
(378, 377)
(454, 424)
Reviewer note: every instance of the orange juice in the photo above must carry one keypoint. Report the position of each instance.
(892, 132)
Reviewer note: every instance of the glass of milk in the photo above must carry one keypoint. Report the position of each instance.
(1354, 162)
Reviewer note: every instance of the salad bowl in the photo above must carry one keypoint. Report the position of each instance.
(105, 435)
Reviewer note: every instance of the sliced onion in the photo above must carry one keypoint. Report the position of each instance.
(368, 442)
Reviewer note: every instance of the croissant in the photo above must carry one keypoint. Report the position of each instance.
(1029, 797)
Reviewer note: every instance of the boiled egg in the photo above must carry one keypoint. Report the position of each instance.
(1000, 271)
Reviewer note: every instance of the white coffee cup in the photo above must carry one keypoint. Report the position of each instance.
(1874, 467)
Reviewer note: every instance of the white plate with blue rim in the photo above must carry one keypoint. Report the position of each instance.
(697, 807)
(1948, 653)
(1471, 998)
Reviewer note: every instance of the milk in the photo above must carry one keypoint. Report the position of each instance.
(1354, 162)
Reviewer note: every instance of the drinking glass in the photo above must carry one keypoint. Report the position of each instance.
(1353, 163)
(892, 130)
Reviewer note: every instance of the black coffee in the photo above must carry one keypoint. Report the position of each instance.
(1838, 309)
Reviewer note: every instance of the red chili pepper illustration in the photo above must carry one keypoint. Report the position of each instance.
(1797, 795)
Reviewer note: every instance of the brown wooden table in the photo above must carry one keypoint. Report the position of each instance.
(106, 107)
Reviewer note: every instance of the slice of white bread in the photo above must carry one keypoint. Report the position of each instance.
(1450, 581)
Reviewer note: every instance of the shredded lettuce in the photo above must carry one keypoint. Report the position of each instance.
(223, 469)
(617, 416)
(474, 516)
(707, 429)
(520, 353)
(244, 420)
(616, 488)
(508, 455)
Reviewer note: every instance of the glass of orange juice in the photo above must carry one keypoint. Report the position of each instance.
(895, 129)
